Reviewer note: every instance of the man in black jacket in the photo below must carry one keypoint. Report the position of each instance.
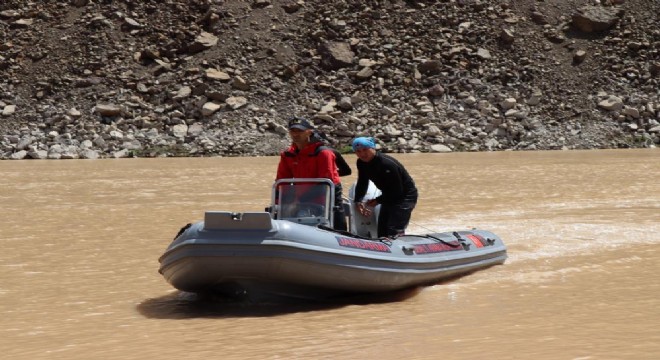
(399, 194)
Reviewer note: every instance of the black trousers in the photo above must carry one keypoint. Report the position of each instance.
(393, 219)
(338, 212)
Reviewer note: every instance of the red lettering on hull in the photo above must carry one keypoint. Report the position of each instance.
(362, 244)
(435, 248)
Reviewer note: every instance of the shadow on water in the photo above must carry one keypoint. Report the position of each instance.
(183, 305)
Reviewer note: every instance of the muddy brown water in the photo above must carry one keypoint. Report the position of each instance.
(81, 240)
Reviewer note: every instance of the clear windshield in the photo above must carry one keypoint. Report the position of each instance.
(307, 201)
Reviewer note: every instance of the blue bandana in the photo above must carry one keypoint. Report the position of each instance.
(364, 143)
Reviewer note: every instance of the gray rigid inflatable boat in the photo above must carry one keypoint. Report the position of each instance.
(290, 250)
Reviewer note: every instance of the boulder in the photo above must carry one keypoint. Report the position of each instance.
(596, 18)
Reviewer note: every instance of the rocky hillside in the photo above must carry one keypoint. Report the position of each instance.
(111, 78)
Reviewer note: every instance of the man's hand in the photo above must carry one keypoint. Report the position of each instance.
(365, 207)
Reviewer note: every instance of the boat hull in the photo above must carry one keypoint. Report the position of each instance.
(289, 259)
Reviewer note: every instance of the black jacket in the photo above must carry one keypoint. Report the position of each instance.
(342, 167)
(389, 176)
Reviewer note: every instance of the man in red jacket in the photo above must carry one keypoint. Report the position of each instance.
(304, 160)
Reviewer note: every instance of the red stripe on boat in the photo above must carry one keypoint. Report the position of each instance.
(476, 239)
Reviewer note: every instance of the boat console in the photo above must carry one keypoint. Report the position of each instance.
(309, 201)
(303, 201)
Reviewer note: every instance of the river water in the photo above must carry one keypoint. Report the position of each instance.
(81, 239)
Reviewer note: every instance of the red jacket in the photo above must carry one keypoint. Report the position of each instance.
(306, 164)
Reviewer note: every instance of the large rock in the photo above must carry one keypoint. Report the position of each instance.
(203, 42)
(89, 154)
(8, 110)
(180, 130)
(596, 18)
(109, 110)
(430, 67)
(612, 103)
(19, 155)
(210, 108)
(216, 74)
(440, 148)
(182, 93)
(236, 102)
(336, 55)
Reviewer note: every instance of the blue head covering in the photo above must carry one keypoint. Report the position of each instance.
(364, 143)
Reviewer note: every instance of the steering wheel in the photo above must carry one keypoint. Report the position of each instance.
(310, 210)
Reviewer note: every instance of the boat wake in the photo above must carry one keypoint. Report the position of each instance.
(537, 236)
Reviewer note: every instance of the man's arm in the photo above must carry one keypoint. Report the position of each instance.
(362, 183)
(342, 167)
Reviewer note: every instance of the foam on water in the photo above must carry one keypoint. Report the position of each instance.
(531, 236)
(538, 247)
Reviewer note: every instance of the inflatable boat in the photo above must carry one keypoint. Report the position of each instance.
(290, 249)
